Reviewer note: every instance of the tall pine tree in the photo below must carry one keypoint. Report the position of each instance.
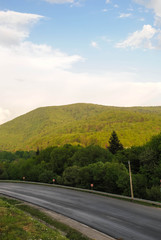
(114, 143)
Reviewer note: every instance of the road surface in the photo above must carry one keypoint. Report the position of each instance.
(117, 218)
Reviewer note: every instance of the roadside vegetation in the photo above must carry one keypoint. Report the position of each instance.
(19, 221)
(77, 166)
(15, 224)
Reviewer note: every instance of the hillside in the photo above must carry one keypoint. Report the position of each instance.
(80, 124)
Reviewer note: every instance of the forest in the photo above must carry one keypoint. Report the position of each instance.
(83, 124)
(78, 166)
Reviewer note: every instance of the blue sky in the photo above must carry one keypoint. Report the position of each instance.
(57, 52)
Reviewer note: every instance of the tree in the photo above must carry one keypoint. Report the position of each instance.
(71, 176)
(115, 144)
(46, 176)
(111, 175)
(37, 151)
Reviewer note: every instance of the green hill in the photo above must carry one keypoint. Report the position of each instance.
(83, 124)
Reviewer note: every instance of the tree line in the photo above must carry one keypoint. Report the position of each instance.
(78, 166)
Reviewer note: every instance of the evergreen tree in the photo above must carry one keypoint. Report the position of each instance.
(38, 151)
(114, 143)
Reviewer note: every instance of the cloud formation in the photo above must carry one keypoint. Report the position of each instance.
(4, 114)
(125, 15)
(14, 30)
(152, 4)
(24, 65)
(14, 26)
(140, 39)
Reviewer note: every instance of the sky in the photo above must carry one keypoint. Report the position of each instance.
(58, 52)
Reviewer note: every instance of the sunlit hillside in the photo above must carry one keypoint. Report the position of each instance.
(83, 124)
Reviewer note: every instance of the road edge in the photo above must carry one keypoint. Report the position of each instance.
(80, 227)
(111, 195)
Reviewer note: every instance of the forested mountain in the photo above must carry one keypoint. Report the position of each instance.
(83, 124)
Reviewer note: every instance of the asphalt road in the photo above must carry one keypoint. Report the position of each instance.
(117, 218)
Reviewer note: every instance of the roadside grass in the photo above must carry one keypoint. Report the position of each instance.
(19, 207)
(16, 225)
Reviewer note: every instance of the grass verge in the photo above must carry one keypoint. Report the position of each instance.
(16, 224)
(13, 212)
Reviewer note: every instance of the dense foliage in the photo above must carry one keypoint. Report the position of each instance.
(114, 143)
(83, 124)
(80, 166)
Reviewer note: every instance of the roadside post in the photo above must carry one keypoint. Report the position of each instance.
(23, 178)
(131, 187)
(160, 185)
(53, 180)
(92, 186)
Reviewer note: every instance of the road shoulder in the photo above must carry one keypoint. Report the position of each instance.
(82, 228)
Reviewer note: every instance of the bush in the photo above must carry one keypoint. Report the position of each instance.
(154, 193)
(46, 176)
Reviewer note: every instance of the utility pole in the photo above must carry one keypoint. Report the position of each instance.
(131, 187)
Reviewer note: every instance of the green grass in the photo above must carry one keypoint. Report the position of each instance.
(83, 124)
(70, 233)
(16, 225)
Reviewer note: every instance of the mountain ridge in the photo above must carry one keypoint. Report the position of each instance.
(80, 123)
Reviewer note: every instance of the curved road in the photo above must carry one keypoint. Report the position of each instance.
(117, 218)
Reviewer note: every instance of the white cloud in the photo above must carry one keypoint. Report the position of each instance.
(4, 115)
(60, 1)
(23, 64)
(14, 29)
(33, 87)
(14, 26)
(9, 36)
(94, 44)
(125, 15)
(152, 4)
(18, 20)
(139, 39)
(43, 56)
(107, 1)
